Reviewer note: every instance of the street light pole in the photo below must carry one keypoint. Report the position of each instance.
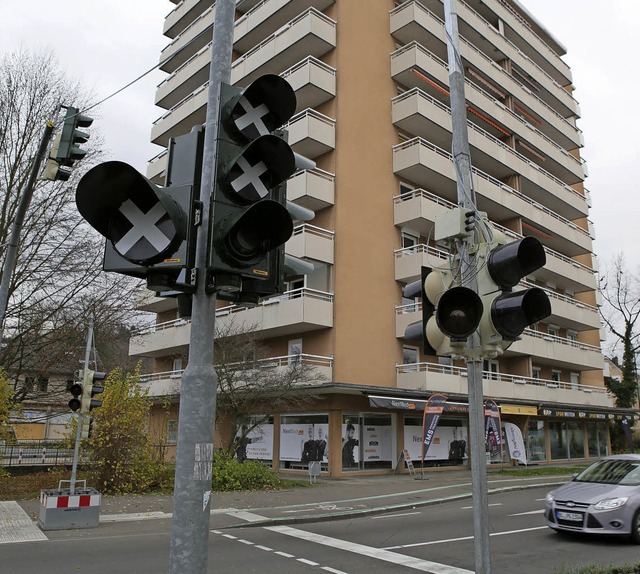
(466, 199)
(194, 459)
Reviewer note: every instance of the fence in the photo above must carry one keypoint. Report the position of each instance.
(35, 453)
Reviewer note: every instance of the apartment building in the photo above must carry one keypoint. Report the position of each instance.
(371, 81)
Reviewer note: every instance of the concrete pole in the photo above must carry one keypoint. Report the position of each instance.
(194, 459)
(466, 199)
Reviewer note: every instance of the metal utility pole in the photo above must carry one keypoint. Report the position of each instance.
(14, 239)
(466, 199)
(76, 449)
(194, 461)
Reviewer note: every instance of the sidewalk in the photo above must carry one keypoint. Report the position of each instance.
(328, 499)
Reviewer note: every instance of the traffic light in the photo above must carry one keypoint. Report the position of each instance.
(250, 222)
(450, 312)
(90, 389)
(68, 150)
(87, 428)
(76, 390)
(150, 230)
(501, 266)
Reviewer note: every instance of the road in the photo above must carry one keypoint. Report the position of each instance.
(436, 539)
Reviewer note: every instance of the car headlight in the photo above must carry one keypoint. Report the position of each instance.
(611, 503)
(549, 498)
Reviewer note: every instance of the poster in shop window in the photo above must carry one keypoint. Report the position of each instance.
(377, 442)
(257, 444)
(304, 442)
(448, 443)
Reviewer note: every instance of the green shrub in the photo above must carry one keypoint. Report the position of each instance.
(595, 569)
(229, 475)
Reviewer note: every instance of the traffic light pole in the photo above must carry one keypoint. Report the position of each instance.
(466, 199)
(76, 448)
(196, 421)
(11, 254)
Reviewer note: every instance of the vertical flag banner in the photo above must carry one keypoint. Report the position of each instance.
(515, 442)
(432, 411)
(492, 433)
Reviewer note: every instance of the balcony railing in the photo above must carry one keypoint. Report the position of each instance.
(501, 377)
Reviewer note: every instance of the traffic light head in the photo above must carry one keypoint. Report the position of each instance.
(90, 389)
(144, 224)
(76, 402)
(501, 266)
(250, 222)
(68, 149)
(450, 313)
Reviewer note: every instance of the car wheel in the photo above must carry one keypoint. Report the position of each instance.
(635, 528)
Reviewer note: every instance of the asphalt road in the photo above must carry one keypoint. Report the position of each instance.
(436, 539)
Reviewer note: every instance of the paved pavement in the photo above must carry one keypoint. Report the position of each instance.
(328, 499)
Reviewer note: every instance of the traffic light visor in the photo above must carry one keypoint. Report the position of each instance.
(459, 312)
(510, 262)
(263, 107)
(512, 312)
(260, 228)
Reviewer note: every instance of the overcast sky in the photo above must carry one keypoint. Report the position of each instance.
(107, 43)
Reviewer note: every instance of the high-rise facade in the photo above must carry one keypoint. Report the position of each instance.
(371, 81)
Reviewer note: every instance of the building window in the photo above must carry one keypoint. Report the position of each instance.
(552, 330)
(535, 372)
(405, 190)
(555, 375)
(294, 350)
(575, 379)
(172, 432)
(177, 366)
(536, 446)
(572, 336)
(491, 369)
(409, 240)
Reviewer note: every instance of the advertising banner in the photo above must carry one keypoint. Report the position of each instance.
(492, 434)
(448, 443)
(257, 444)
(515, 442)
(432, 412)
(304, 442)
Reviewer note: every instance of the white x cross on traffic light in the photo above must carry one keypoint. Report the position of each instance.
(252, 117)
(144, 225)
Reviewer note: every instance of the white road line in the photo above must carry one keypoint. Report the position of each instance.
(539, 511)
(393, 515)
(333, 570)
(377, 553)
(280, 553)
(309, 562)
(266, 548)
(246, 541)
(448, 540)
(492, 504)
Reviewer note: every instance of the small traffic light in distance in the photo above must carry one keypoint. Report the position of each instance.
(507, 312)
(76, 391)
(90, 389)
(68, 150)
(450, 313)
(53, 171)
(87, 428)
(250, 219)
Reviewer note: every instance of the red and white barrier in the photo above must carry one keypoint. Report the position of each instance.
(68, 500)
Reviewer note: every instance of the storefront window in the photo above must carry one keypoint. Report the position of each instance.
(597, 434)
(449, 446)
(535, 441)
(576, 439)
(367, 441)
(255, 440)
(558, 440)
(304, 439)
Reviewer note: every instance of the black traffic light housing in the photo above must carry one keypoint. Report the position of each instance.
(76, 391)
(68, 149)
(503, 264)
(250, 222)
(150, 230)
(90, 389)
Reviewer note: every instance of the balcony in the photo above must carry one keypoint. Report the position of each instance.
(311, 242)
(419, 114)
(182, 15)
(411, 64)
(310, 34)
(145, 300)
(311, 133)
(189, 41)
(267, 17)
(313, 81)
(297, 311)
(412, 21)
(312, 188)
(182, 117)
(427, 165)
(185, 79)
(446, 379)
(557, 351)
(168, 383)
(409, 261)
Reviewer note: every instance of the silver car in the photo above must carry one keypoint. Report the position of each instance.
(603, 499)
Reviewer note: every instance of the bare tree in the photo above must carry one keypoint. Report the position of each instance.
(251, 385)
(621, 291)
(58, 282)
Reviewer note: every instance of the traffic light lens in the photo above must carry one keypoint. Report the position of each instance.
(459, 312)
(512, 312)
(510, 262)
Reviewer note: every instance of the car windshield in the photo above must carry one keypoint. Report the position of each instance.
(624, 472)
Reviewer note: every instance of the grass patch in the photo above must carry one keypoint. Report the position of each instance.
(540, 470)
